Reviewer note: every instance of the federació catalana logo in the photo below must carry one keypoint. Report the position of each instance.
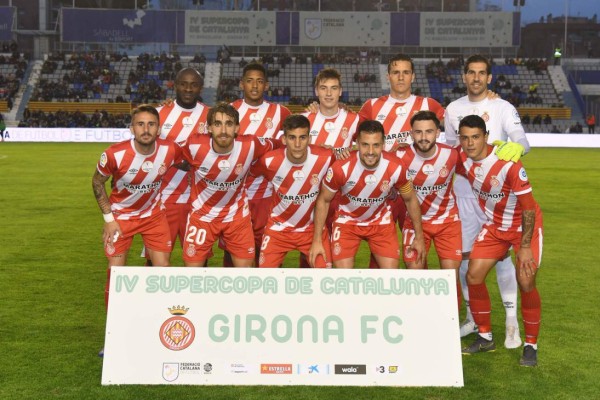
(178, 332)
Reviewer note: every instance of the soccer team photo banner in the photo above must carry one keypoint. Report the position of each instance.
(227, 326)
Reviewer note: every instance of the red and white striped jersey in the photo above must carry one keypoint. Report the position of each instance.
(177, 124)
(496, 185)
(365, 191)
(261, 121)
(218, 178)
(136, 178)
(432, 179)
(337, 131)
(296, 187)
(395, 115)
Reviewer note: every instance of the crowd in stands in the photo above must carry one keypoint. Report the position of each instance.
(74, 119)
(10, 83)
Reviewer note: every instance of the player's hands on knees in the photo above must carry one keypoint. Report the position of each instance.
(316, 249)
(526, 263)
(112, 232)
(418, 245)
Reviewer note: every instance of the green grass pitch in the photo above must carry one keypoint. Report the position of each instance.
(52, 274)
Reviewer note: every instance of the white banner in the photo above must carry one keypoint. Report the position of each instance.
(233, 28)
(109, 135)
(466, 29)
(344, 29)
(227, 326)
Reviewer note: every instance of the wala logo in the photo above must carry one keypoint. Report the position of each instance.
(350, 369)
(276, 369)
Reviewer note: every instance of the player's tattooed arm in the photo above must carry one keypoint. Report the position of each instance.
(98, 182)
(528, 223)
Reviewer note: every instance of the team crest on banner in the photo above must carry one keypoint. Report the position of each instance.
(178, 332)
(170, 371)
(313, 27)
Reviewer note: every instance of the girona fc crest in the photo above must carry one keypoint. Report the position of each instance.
(385, 186)
(444, 172)
(239, 168)
(494, 181)
(485, 116)
(177, 333)
(344, 133)
(190, 250)
(314, 180)
(162, 169)
(337, 249)
(269, 123)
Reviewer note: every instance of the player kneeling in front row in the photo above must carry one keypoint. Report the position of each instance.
(514, 219)
(296, 172)
(365, 180)
(431, 169)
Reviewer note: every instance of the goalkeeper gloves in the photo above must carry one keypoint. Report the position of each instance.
(509, 151)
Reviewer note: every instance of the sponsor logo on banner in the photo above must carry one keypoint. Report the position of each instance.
(170, 371)
(239, 368)
(208, 367)
(392, 369)
(190, 368)
(313, 27)
(276, 369)
(313, 369)
(350, 369)
(177, 333)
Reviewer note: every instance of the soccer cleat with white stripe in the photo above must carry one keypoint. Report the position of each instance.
(467, 327)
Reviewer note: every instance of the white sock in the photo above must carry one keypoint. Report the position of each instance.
(507, 283)
(487, 336)
(462, 274)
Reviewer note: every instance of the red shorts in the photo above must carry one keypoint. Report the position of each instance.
(177, 214)
(346, 238)
(446, 237)
(259, 213)
(200, 237)
(154, 231)
(493, 243)
(276, 245)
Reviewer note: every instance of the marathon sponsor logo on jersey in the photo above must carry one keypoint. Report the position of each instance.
(425, 190)
(223, 186)
(362, 202)
(523, 174)
(269, 123)
(485, 116)
(399, 137)
(495, 197)
(224, 165)
(494, 181)
(103, 160)
(142, 188)
(329, 175)
(299, 198)
(444, 172)
(147, 166)
(350, 369)
(276, 369)
(428, 169)
(370, 179)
